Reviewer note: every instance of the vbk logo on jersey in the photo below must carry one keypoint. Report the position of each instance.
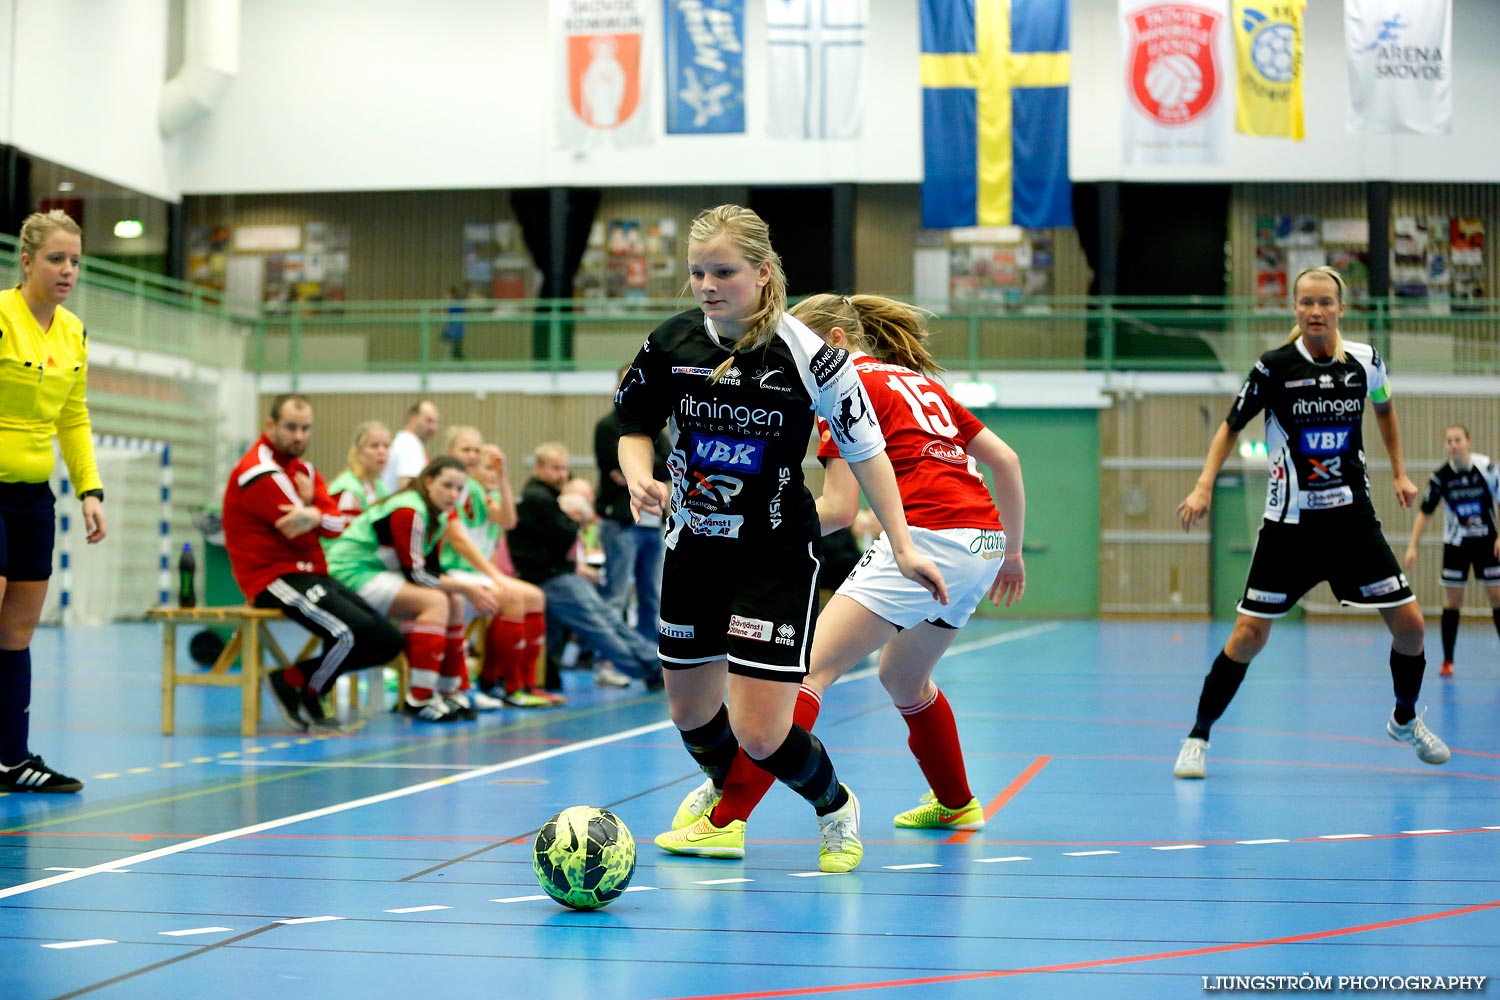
(728, 453)
(1324, 440)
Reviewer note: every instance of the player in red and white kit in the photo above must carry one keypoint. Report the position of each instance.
(933, 443)
(276, 508)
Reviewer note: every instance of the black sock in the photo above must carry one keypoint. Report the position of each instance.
(713, 746)
(1450, 632)
(803, 765)
(1406, 679)
(1219, 686)
(15, 705)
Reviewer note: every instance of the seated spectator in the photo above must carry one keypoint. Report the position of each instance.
(276, 509)
(542, 547)
(360, 485)
(633, 550)
(407, 530)
(513, 637)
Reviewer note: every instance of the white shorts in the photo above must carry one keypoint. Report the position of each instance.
(381, 589)
(969, 559)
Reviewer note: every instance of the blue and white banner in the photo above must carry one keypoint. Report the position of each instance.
(705, 66)
(816, 63)
(1400, 55)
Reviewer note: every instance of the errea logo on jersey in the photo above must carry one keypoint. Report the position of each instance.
(1324, 440)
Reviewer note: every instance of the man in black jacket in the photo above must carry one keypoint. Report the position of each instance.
(541, 547)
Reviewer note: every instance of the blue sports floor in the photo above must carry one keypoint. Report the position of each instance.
(395, 860)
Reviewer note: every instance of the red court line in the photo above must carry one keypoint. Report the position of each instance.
(1105, 962)
(999, 802)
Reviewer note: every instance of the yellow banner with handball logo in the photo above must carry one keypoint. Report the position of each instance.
(1268, 43)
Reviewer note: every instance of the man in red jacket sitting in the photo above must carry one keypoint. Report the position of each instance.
(276, 508)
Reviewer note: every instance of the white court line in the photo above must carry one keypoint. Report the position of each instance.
(276, 824)
(519, 899)
(1086, 854)
(1344, 836)
(1179, 847)
(195, 930)
(373, 766)
(641, 888)
(1268, 840)
(63, 945)
(723, 881)
(996, 861)
(115, 871)
(418, 909)
(907, 868)
(813, 874)
(306, 920)
(1426, 831)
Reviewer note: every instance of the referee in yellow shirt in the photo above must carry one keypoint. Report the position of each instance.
(43, 368)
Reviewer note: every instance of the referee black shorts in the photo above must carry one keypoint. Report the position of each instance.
(28, 528)
(1476, 552)
(754, 607)
(1350, 552)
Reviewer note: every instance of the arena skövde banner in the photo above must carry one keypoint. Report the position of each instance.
(1400, 70)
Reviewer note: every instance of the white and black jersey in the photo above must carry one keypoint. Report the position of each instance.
(1468, 499)
(738, 443)
(1314, 444)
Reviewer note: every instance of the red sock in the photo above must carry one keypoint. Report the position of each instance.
(504, 644)
(747, 782)
(455, 663)
(424, 652)
(532, 666)
(934, 742)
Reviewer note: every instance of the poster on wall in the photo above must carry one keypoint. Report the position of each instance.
(1400, 60)
(1287, 245)
(208, 256)
(1467, 247)
(1179, 97)
(705, 54)
(600, 54)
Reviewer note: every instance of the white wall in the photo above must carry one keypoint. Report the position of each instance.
(85, 78)
(390, 94)
(1330, 152)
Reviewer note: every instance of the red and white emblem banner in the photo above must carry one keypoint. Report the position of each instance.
(601, 53)
(1179, 89)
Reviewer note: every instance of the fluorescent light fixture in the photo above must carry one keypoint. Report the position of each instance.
(974, 394)
(65, 185)
(129, 229)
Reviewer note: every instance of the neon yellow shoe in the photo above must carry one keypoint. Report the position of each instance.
(841, 850)
(704, 840)
(933, 815)
(698, 804)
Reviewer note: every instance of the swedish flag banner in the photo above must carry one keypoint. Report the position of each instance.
(1268, 43)
(995, 113)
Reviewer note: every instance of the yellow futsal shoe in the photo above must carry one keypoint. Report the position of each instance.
(933, 815)
(699, 803)
(704, 840)
(841, 850)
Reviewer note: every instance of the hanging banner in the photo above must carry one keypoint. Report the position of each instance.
(1178, 108)
(1400, 71)
(1268, 49)
(815, 68)
(602, 87)
(705, 49)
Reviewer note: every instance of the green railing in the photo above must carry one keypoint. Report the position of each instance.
(147, 311)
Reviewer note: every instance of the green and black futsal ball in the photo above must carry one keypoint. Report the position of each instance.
(584, 857)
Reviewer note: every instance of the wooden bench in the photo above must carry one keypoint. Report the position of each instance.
(251, 638)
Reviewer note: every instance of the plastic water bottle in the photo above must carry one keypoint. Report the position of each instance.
(187, 585)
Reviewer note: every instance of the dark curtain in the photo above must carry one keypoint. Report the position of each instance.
(555, 224)
(15, 189)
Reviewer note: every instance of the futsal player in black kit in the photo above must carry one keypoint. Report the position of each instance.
(1466, 486)
(738, 383)
(1319, 521)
